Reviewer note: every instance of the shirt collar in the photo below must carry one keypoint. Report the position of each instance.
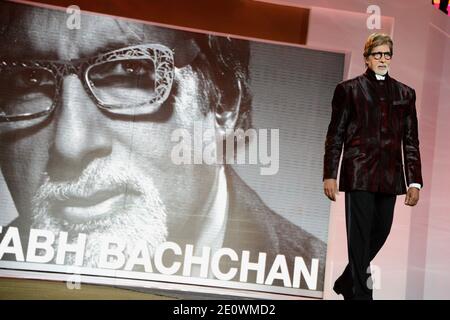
(213, 229)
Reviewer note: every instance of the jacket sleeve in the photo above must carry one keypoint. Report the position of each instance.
(336, 133)
(411, 152)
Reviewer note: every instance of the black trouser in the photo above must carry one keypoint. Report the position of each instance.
(368, 218)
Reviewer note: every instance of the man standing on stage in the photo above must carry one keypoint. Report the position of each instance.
(374, 116)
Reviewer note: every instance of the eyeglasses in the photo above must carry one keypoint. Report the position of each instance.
(378, 55)
(129, 81)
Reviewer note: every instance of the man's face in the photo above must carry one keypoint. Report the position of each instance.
(83, 169)
(379, 66)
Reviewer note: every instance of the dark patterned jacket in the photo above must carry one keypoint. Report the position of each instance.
(374, 120)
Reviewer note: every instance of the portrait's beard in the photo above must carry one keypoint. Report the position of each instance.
(138, 215)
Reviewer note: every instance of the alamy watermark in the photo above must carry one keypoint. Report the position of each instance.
(74, 17)
(374, 280)
(73, 281)
(206, 146)
(374, 20)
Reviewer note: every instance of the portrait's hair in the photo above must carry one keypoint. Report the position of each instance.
(223, 66)
(377, 39)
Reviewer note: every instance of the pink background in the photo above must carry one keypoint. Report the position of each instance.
(415, 261)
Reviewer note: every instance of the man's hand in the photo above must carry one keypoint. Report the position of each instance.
(330, 188)
(412, 196)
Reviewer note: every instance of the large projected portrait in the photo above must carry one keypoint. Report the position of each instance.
(161, 154)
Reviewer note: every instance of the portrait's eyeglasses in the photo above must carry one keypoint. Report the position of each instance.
(378, 55)
(128, 81)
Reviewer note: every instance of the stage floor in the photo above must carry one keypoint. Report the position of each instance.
(18, 289)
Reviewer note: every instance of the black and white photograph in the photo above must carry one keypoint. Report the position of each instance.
(137, 151)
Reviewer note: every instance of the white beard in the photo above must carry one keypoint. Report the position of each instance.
(141, 216)
(382, 72)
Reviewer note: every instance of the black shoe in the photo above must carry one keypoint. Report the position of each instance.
(346, 291)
